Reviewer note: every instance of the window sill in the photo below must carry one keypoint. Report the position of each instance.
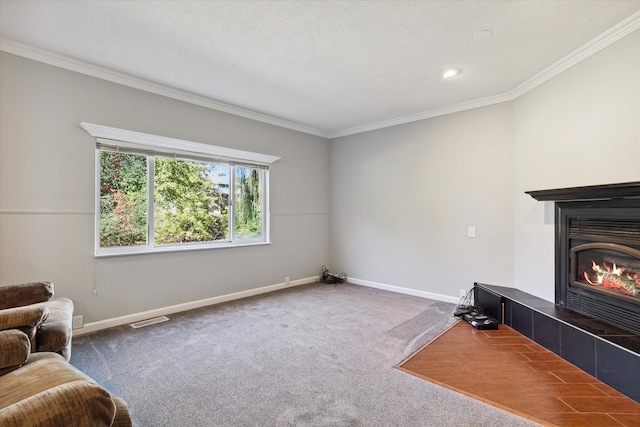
(169, 249)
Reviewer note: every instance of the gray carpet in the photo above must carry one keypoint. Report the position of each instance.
(313, 355)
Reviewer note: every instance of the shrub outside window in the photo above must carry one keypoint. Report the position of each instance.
(191, 202)
(157, 200)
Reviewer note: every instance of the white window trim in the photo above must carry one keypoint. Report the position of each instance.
(162, 144)
(173, 145)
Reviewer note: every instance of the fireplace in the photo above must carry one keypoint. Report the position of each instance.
(598, 251)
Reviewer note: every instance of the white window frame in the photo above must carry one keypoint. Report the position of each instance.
(133, 141)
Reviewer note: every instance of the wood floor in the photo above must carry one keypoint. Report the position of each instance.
(507, 370)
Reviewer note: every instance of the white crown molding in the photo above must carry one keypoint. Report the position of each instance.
(436, 112)
(103, 73)
(622, 29)
(604, 40)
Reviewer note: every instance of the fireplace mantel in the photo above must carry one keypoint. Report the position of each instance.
(626, 190)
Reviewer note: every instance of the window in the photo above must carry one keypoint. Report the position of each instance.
(152, 197)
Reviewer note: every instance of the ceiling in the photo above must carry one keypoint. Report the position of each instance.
(329, 68)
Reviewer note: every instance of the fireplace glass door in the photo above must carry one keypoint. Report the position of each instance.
(598, 260)
(607, 267)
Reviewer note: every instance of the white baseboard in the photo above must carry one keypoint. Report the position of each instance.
(135, 317)
(407, 291)
(163, 311)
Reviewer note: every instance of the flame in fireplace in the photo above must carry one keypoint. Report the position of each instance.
(614, 278)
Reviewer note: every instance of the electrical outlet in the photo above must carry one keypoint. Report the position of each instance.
(471, 232)
(78, 322)
(286, 281)
(463, 293)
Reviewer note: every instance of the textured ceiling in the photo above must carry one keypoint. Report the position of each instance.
(332, 67)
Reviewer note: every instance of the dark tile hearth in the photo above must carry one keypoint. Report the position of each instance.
(608, 353)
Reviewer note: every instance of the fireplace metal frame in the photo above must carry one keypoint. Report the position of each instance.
(600, 304)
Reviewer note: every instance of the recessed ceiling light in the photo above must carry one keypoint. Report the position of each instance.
(451, 72)
(483, 35)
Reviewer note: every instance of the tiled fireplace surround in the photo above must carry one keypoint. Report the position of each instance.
(604, 351)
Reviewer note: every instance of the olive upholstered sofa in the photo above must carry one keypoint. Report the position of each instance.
(46, 321)
(38, 386)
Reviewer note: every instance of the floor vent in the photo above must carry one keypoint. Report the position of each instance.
(153, 321)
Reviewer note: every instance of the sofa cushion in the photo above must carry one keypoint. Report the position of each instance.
(15, 348)
(123, 415)
(27, 319)
(77, 403)
(25, 294)
(30, 316)
(41, 372)
(55, 334)
(48, 391)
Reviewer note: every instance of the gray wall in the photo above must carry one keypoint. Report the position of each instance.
(580, 128)
(402, 199)
(47, 195)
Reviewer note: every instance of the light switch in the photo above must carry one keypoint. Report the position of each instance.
(471, 232)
